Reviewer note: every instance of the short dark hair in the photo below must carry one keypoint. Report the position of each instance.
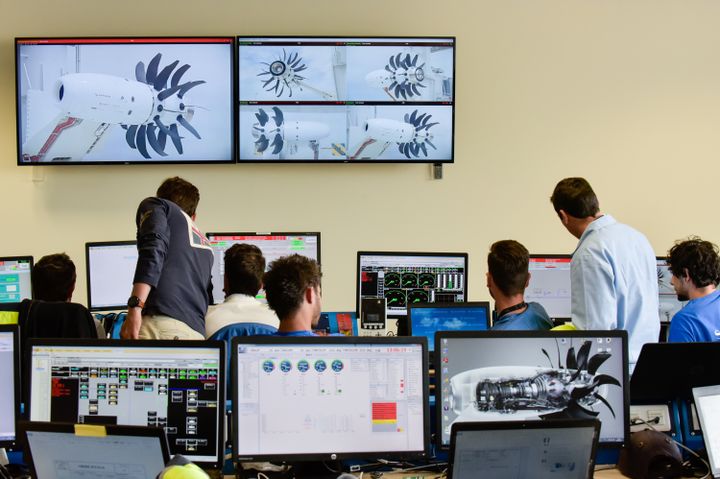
(575, 197)
(508, 263)
(181, 192)
(53, 277)
(700, 258)
(286, 282)
(244, 269)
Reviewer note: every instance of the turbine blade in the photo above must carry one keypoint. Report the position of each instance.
(261, 144)
(414, 62)
(303, 67)
(151, 72)
(175, 137)
(430, 143)
(175, 81)
(397, 91)
(162, 139)
(426, 119)
(153, 140)
(406, 117)
(423, 148)
(547, 356)
(188, 126)
(392, 85)
(168, 131)
(187, 86)
(392, 63)
(407, 60)
(571, 361)
(388, 69)
(406, 150)
(130, 136)
(414, 89)
(140, 142)
(397, 59)
(263, 73)
(415, 149)
(284, 55)
(419, 119)
(400, 147)
(168, 93)
(269, 80)
(413, 116)
(604, 401)
(427, 127)
(262, 117)
(292, 58)
(278, 117)
(596, 361)
(162, 78)
(601, 379)
(140, 72)
(278, 144)
(583, 354)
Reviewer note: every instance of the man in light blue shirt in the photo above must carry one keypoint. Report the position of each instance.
(613, 271)
(695, 267)
(292, 288)
(507, 278)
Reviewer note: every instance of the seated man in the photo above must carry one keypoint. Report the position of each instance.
(695, 267)
(244, 269)
(507, 278)
(292, 287)
(53, 279)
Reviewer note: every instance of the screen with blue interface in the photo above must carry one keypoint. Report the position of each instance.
(110, 273)
(313, 397)
(272, 245)
(668, 301)
(134, 383)
(550, 284)
(426, 319)
(15, 282)
(513, 375)
(8, 387)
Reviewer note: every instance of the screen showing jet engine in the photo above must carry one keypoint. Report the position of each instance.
(15, 284)
(669, 302)
(110, 273)
(140, 383)
(324, 396)
(125, 100)
(406, 279)
(346, 99)
(9, 376)
(513, 375)
(550, 284)
(272, 245)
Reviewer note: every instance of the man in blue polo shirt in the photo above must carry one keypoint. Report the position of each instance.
(507, 278)
(695, 267)
(292, 288)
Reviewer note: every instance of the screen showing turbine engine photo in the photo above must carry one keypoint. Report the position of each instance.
(125, 100)
(346, 99)
(525, 375)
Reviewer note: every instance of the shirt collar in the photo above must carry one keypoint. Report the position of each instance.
(240, 298)
(602, 222)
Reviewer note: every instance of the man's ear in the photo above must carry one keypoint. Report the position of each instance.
(71, 291)
(488, 279)
(309, 294)
(564, 218)
(527, 283)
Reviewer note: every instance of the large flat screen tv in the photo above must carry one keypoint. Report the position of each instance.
(346, 99)
(125, 100)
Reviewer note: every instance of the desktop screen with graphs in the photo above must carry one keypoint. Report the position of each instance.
(15, 282)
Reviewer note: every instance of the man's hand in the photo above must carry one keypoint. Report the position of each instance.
(131, 326)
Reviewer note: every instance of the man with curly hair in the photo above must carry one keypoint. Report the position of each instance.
(695, 267)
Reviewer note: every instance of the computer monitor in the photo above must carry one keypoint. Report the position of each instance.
(402, 279)
(177, 385)
(272, 245)
(522, 375)
(426, 319)
(707, 404)
(15, 284)
(332, 397)
(669, 302)
(550, 283)
(9, 384)
(110, 272)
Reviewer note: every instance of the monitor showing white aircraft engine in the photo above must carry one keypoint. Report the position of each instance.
(343, 99)
(125, 100)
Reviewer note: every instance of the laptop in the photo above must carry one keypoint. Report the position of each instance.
(64, 450)
(707, 404)
(558, 449)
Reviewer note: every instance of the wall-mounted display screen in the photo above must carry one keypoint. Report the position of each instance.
(125, 100)
(346, 99)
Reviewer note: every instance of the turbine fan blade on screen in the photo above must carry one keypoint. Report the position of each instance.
(407, 76)
(170, 109)
(281, 75)
(421, 137)
(265, 133)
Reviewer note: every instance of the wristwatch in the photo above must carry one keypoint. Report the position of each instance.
(135, 302)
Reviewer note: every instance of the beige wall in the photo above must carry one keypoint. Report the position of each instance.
(623, 92)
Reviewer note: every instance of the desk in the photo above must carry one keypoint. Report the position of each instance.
(601, 474)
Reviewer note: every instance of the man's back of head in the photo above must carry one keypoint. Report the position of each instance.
(244, 269)
(697, 259)
(575, 197)
(287, 282)
(53, 278)
(508, 264)
(181, 192)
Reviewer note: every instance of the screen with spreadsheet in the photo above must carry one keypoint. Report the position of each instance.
(550, 284)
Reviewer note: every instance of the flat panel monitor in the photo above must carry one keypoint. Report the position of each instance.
(15, 283)
(426, 319)
(669, 302)
(346, 99)
(110, 272)
(176, 385)
(524, 375)
(707, 404)
(329, 397)
(403, 279)
(272, 245)
(9, 384)
(125, 100)
(550, 284)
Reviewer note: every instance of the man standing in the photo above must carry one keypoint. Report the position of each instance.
(695, 267)
(507, 278)
(292, 286)
(171, 288)
(613, 270)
